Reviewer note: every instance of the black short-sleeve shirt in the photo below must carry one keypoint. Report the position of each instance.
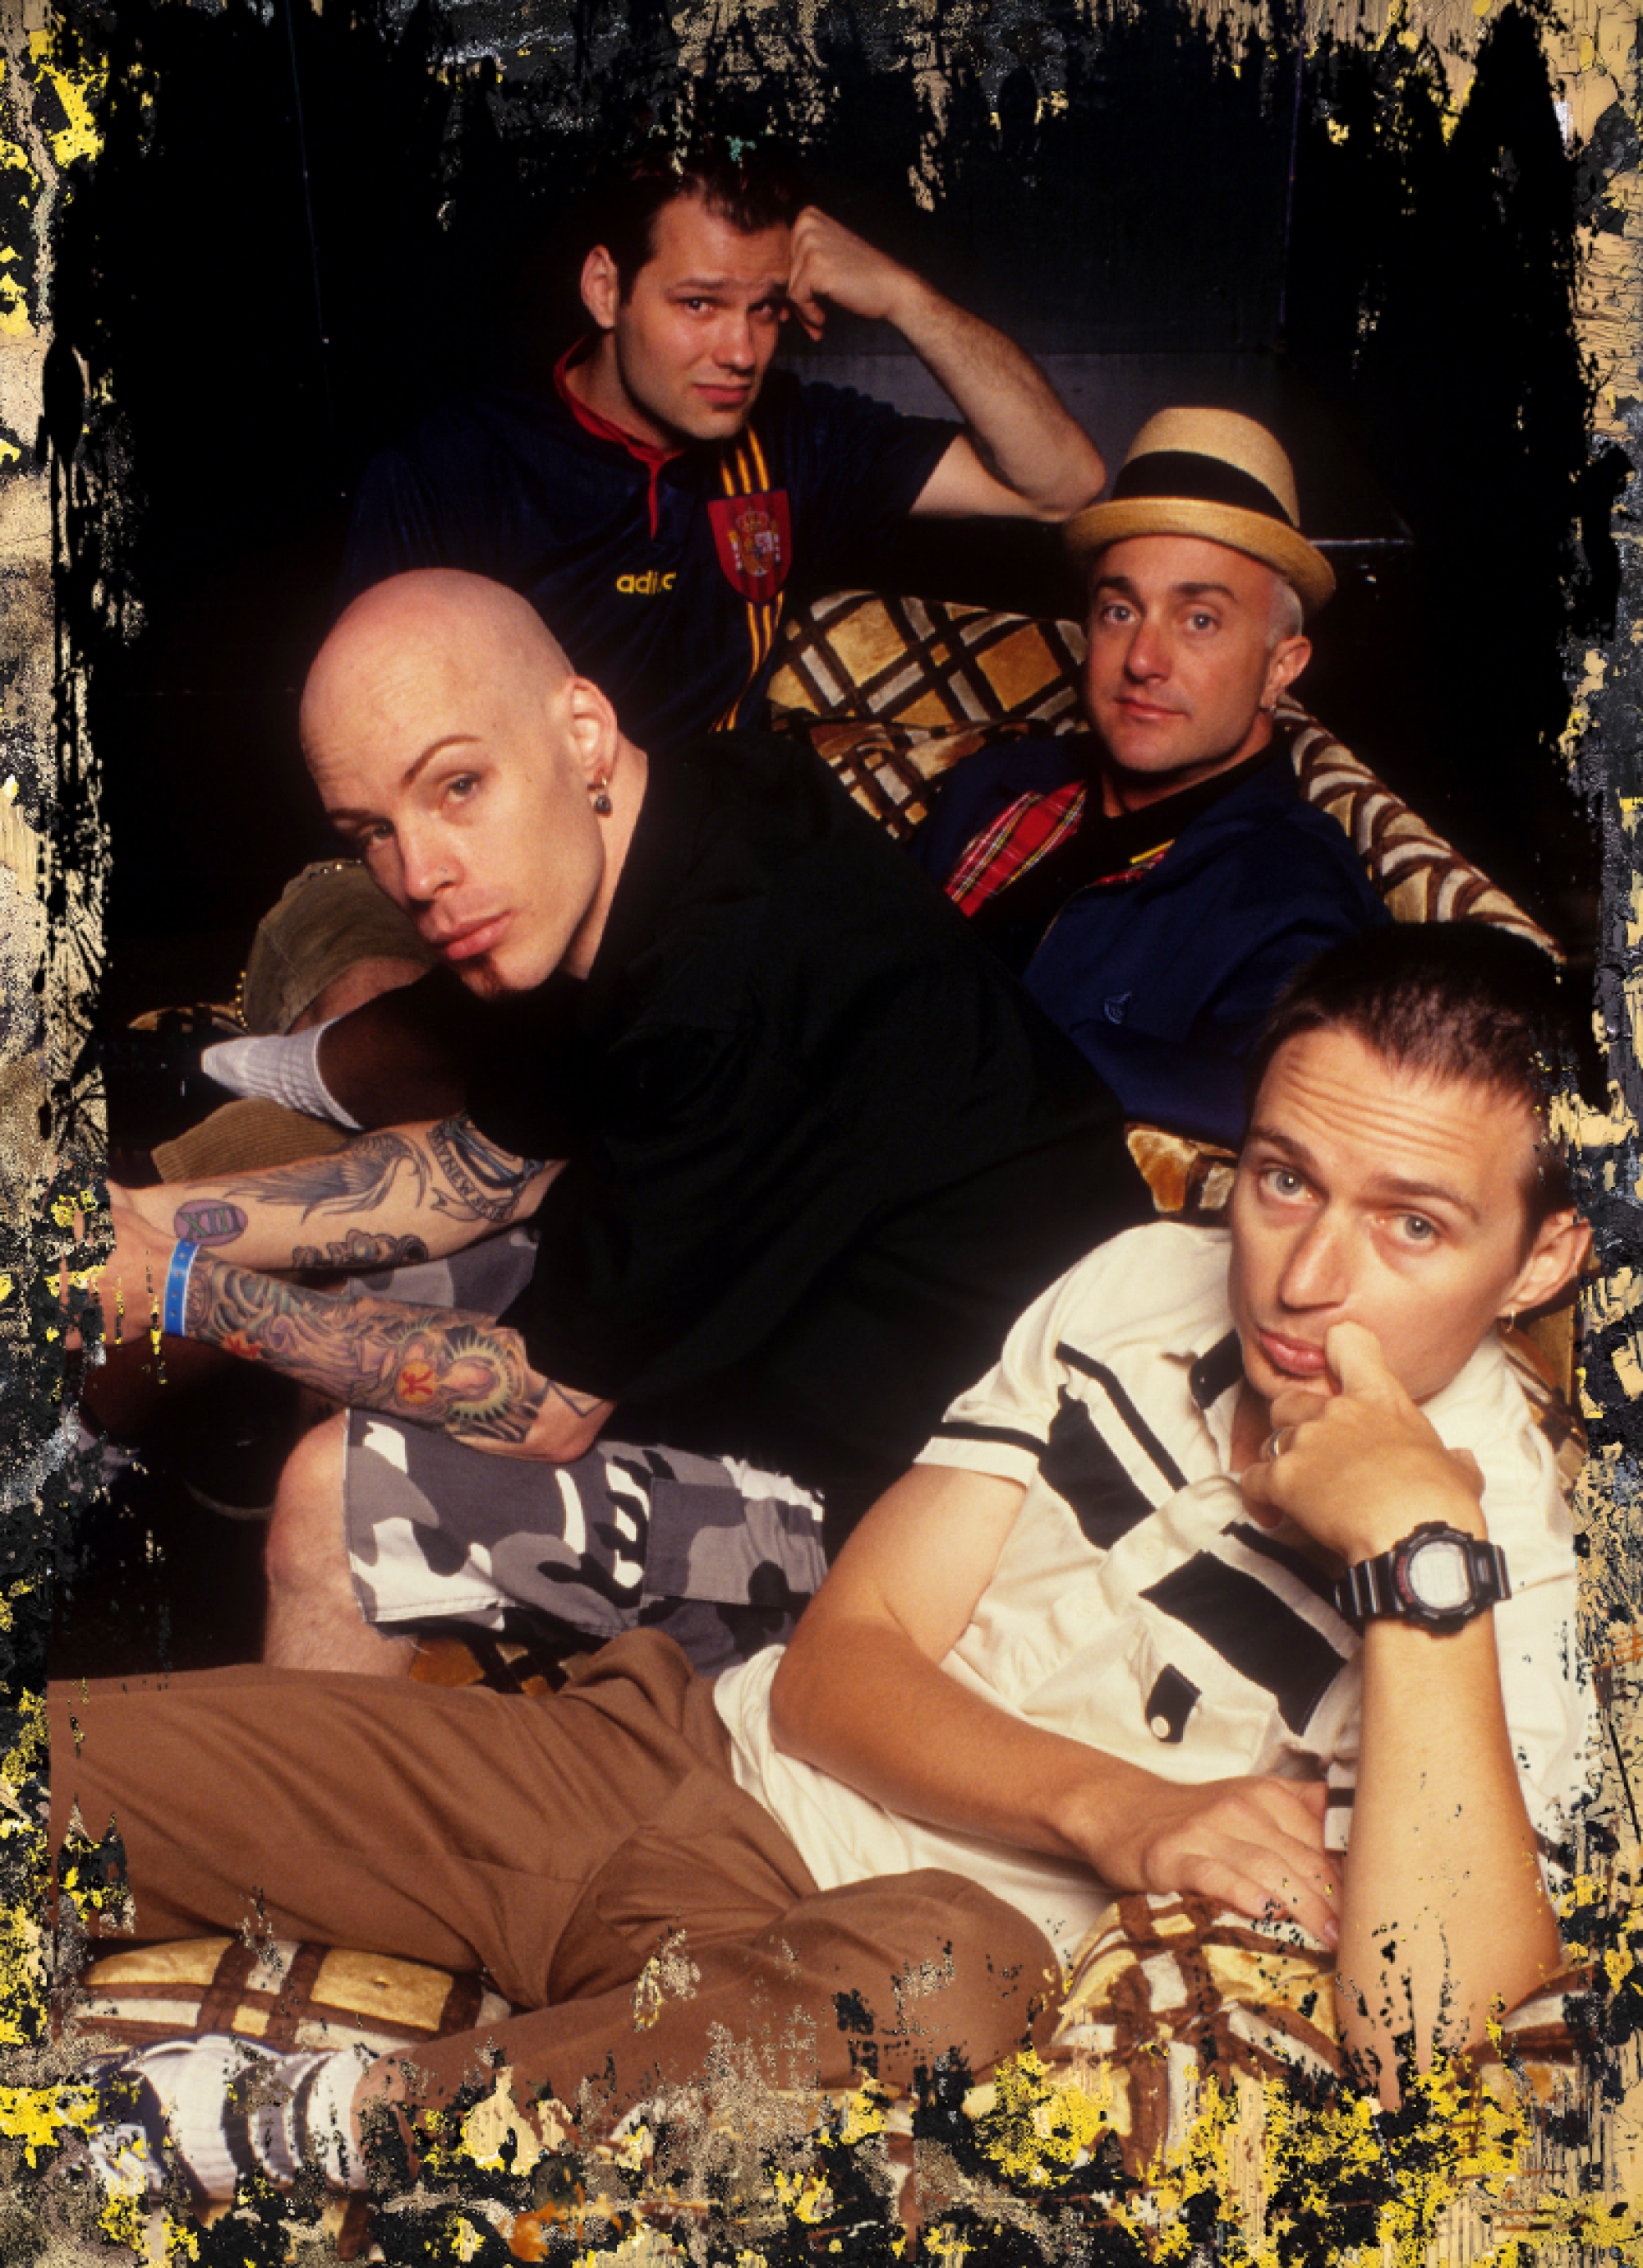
(664, 584)
(822, 1148)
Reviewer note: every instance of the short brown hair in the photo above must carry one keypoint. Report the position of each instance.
(753, 186)
(1461, 1000)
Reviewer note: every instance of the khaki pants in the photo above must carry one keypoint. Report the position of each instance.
(557, 1842)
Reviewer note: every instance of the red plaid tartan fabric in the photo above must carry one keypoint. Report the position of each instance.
(1018, 838)
(1027, 831)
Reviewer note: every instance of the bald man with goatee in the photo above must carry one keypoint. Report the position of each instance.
(795, 1148)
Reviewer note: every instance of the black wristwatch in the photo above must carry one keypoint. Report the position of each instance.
(1436, 1576)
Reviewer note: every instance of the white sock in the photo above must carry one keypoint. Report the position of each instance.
(280, 1070)
(204, 2089)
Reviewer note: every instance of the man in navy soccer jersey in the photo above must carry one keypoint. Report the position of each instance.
(653, 505)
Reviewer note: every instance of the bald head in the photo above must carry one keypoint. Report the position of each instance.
(486, 785)
(459, 631)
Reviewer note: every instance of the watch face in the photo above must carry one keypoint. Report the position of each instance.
(1438, 1575)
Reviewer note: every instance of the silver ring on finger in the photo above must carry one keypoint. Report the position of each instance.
(1276, 1444)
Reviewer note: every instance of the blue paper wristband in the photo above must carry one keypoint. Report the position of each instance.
(182, 1261)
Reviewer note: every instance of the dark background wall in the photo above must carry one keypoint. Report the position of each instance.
(305, 229)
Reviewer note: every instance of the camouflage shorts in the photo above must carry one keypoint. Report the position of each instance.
(720, 1557)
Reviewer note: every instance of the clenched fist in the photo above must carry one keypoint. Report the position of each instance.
(829, 263)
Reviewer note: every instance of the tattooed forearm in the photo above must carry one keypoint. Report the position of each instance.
(204, 1221)
(357, 1179)
(359, 1250)
(488, 1184)
(580, 1405)
(459, 1373)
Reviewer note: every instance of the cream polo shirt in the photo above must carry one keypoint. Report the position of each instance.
(1135, 1605)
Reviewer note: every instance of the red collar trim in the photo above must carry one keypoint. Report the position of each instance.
(591, 422)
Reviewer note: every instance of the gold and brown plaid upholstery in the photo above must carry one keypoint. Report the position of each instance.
(1421, 877)
(460, 1656)
(1188, 1181)
(1166, 1983)
(926, 666)
(287, 1995)
(891, 769)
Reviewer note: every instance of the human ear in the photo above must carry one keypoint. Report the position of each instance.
(1288, 658)
(1555, 1259)
(590, 729)
(601, 288)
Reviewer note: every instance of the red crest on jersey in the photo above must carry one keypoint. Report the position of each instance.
(755, 541)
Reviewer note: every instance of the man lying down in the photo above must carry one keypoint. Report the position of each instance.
(1243, 1572)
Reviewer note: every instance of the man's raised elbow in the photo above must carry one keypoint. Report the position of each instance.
(1074, 482)
(1080, 476)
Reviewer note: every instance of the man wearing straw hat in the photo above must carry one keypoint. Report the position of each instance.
(1155, 879)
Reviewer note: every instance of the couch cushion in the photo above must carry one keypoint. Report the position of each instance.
(1421, 877)
(1169, 1990)
(926, 665)
(286, 1994)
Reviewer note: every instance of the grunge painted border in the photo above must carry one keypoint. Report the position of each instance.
(1464, 2187)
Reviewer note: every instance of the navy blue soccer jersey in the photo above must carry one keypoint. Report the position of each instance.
(662, 576)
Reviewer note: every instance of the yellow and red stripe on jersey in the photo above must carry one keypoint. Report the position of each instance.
(753, 535)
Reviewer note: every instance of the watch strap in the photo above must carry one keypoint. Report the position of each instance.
(1373, 1586)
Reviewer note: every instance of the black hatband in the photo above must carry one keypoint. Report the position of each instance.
(1205, 480)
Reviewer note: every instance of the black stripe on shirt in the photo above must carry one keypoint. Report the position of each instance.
(1214, 1373)
(1253, 1632)
(1081, 1467)
(1285, 1554)
(966, 1429)
(1126, 1409)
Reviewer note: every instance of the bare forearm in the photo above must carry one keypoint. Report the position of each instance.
(877, 1714)
(405, 1193)
(1018, 427)
(861, 1693)
(866, 1705)
(460, 1373)
(1444, 1910)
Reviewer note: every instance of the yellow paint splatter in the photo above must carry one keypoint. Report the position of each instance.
(78, 91)
(36, 2118)
(805, 2195)
(1037, 2130)
(491, 2125)
(865, 2114)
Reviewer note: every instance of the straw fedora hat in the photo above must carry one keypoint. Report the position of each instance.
(1210, 473)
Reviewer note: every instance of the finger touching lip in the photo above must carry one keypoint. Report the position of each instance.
(1294, 1358)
